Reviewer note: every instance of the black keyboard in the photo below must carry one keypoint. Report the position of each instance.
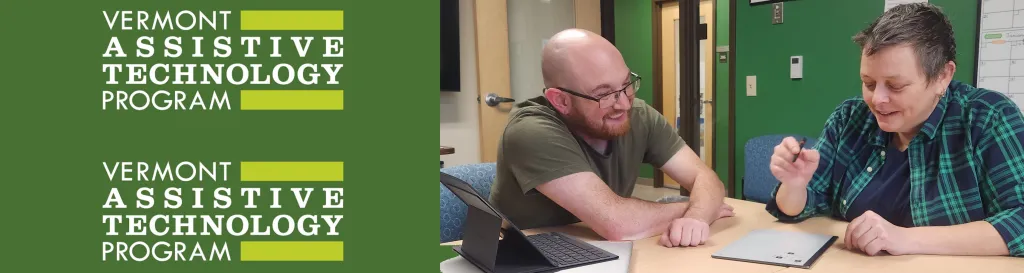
(567, 251)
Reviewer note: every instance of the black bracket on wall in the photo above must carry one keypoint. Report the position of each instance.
(762, 2)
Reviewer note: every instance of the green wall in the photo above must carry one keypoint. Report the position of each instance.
(721, 122)
(633, 38)
(822, 32)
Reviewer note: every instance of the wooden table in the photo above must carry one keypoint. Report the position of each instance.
(648, 256)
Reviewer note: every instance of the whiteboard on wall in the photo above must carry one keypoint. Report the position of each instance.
(1000, 59)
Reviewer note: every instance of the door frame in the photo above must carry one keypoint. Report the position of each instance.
(689, 11)
(730, 186)
(656, 79)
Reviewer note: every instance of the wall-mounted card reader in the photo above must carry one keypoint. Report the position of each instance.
(796, 67)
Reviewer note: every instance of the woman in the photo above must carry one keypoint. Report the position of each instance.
(921, 164)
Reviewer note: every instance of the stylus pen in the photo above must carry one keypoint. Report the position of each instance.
(802, 141)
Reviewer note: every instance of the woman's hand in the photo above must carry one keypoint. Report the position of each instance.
(872, 234)
(794, 175)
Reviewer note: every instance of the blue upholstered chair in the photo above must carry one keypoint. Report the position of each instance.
(453, 211)
(758, 181)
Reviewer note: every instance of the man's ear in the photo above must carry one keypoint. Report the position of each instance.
(559, 100)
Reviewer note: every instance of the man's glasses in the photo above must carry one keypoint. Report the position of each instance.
(608, 99)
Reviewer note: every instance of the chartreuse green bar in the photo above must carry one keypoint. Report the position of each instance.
(293, 100)
(292, 171)
(292, 20)
(293, 251)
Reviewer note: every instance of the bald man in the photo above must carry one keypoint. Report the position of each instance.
(573, 154)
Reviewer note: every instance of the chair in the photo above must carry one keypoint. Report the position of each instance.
(453, 211)
(758, 181)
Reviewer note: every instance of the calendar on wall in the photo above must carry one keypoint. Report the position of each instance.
(1000, 62)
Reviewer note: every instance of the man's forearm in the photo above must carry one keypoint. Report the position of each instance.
(705, 198)
(635, 219)
(972, 239)
(791, 201)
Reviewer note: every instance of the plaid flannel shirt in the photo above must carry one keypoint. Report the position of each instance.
(966, 163)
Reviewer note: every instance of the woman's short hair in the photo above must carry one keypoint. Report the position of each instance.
(920, 25)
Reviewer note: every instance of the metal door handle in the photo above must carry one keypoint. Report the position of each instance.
(707, 101)
(493, 99)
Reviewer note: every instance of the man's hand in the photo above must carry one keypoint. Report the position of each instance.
(685, 232)
(872, 234)
(690, 231)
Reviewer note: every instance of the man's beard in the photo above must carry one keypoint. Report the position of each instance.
(578, 122)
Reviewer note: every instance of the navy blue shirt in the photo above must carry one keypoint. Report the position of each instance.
(888, 193)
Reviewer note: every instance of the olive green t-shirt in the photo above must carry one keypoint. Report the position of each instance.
(537, 147)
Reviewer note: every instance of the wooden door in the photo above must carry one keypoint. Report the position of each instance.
(493, 62)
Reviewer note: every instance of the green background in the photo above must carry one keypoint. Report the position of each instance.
(721, 121)
(55, 135)
(822, 32)
(633, 39)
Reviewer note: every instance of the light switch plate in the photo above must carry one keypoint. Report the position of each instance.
(776, 13)
(751, 86)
